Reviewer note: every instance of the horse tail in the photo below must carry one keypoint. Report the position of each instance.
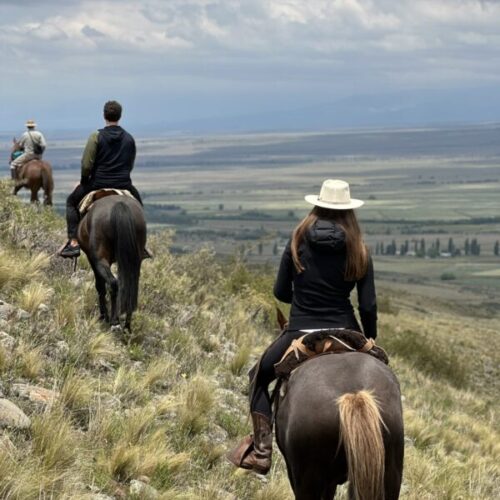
(361, 434)
(127, 255)
(47, 183)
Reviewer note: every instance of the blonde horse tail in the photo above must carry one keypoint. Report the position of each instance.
(361, 434)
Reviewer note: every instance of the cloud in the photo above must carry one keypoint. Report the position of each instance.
(92, 32)
(295, 49)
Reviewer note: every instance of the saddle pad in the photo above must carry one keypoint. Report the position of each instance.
(326, 341)
(93, 196)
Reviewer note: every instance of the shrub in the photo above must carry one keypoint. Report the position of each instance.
(446, 276)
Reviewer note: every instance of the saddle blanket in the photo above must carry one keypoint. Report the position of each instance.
(326, 341)
(93, 196)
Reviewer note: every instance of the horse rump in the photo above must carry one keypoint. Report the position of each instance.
(361, 435)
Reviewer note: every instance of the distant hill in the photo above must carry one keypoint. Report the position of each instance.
(415, 107)
(412, 108)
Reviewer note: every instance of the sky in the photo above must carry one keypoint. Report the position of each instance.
(255, 64)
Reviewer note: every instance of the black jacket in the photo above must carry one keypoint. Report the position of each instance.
(108, 159)
(320, 294)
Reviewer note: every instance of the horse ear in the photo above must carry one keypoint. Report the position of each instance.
(282, 321)
(14, 140)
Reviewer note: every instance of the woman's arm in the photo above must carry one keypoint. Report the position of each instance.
(283, 287)
(367, 301)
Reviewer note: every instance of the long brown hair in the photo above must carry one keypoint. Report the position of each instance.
(357, 254)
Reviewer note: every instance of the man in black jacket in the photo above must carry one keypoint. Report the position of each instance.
(107, 161)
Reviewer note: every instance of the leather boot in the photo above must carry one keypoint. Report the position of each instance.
(254, 452)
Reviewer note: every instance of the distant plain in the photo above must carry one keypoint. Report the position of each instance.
(243, 193)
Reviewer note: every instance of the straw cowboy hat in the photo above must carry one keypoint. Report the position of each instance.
(335, 195)
(31, 124)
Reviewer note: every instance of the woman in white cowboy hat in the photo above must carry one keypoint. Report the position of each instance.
(322, 263)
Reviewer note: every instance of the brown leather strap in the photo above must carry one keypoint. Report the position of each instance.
(296, 346)
(370, 344)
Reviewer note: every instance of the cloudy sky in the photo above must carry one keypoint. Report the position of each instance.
(174, 63)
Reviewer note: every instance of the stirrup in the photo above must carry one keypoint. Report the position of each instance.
(69, 251)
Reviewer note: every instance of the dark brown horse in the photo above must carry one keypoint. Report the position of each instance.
(114, 230)
(338, 419)
(34, 175)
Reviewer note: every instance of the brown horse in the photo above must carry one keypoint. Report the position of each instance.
(35, 175)
(114, 230)
(338, 419)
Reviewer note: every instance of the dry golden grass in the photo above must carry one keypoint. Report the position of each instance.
(13, 274)
(169, 405)
(240, 360)
(29, 360)
(32, 296)
(197, 401)
(100, 346)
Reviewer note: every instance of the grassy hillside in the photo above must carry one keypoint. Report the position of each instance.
(162, 406)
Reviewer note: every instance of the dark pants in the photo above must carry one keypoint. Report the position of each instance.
(261, 401)
(74, 199)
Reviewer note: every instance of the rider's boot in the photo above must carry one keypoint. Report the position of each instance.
(70, 250)
(254, 452)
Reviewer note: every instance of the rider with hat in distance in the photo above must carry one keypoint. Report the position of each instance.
(32, 144)
(322, 263)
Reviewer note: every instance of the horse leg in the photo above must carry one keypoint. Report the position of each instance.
(105, 271)
(18, 187)
(100, 285)
(128, 322)
(393, 473)
(47, 198)
(34, 195)
(307, 484)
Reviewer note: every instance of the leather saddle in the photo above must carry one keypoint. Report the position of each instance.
(93, 196)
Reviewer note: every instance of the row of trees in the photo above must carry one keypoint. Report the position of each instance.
(421, 248)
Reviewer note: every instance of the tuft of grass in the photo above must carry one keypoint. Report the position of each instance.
(5, 360)
(14, 275)
(198, 400)
(54, 441)
(101, 346)
(32, 296)
(76, 394)
(149, 456)
(29, 360)
(240, 360)
(159, 372)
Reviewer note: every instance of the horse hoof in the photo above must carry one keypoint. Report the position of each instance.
(116, 328)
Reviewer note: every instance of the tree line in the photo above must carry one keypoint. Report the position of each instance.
(421, 248)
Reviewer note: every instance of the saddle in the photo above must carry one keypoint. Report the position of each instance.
(328, 341)
(93, 196)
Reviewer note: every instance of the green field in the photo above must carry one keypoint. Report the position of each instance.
(243, 194)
